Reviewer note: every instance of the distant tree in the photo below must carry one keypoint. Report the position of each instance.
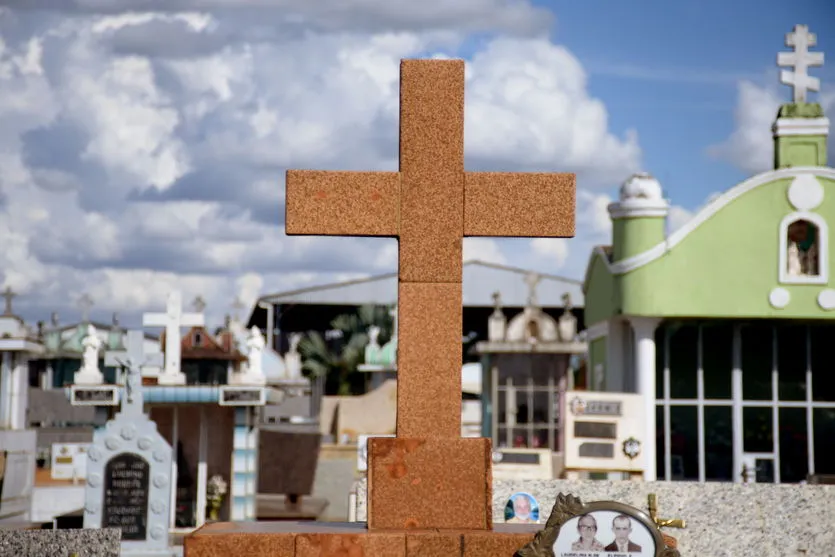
(337, 359)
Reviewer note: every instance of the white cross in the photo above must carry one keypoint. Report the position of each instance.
(801, 60)
(173, 320)
(85, 303)
(532, 280)
(133, 359)
(393, 314)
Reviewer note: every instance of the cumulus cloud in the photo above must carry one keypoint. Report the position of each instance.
(144, 144)
(750, 146)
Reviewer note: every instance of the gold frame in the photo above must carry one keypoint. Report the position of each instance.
(567, 507)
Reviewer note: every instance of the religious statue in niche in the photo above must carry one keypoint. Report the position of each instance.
(802, 252)
(91, 344)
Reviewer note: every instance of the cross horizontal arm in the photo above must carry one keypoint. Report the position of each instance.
(155, 320)
(342, 203)
(192, 320)
(522, 205)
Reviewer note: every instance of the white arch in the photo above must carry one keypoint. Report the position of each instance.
(641, 259)
(823, 249)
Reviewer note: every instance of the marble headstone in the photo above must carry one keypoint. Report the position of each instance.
(129, 470)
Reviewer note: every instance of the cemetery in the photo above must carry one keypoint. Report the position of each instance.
(609, 416)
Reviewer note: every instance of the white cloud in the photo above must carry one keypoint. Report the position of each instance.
(143, 151)
(483, 249)
(750, 146)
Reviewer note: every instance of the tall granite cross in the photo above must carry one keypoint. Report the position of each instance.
(173, 320)
(800, 39)
(429, 206)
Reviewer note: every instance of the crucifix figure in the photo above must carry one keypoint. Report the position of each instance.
(85, 303)
(133, 360)
(800, 60)
(173, 320)
(430, 205)
(134, 353)
(9, 295)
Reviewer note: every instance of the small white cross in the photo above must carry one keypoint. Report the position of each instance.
(801, 60)
(393, 314)
(532, 280)
(173, 319)
(85, 303)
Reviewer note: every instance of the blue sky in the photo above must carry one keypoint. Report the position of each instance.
(671, 68)
(144, 143)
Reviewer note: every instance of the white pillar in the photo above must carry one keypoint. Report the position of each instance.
(736, 408)
(6, 390)
(175, 441)
(644, 350)
(614, 368)
(202, 479)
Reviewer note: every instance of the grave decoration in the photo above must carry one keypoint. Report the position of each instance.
(575, 529)
(129, 470)
(430, 491)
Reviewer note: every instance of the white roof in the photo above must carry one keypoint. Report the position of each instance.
(480, 280)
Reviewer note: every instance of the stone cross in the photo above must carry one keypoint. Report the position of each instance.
(430, 205)
(532, 280)
(800, 60)
(173, 320)
(133, 360)
(9, 295)
(85, 303)
(199, 304)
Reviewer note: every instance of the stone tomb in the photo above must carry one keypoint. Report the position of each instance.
(129, 470)
(430, 490)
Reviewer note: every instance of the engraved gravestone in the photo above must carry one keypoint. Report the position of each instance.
(129, 469)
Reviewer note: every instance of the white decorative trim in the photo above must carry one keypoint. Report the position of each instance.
(823, 249)
(598, 330)
(641, 259)
(800, 126)
(779, 298)
(805, 193)
(618, 211)
(826, 299)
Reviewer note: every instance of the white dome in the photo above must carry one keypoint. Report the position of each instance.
(641, 186)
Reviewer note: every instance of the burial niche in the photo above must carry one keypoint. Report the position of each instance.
(803, 249)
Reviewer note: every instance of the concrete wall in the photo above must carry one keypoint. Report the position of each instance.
(17, 473)
(53, 500)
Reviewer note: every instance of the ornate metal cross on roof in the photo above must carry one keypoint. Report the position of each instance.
(9, 295)
(85, 303)
(801, 59)
(430, 205)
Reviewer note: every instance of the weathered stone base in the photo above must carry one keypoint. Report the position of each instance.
(320, 539)
(429, 483)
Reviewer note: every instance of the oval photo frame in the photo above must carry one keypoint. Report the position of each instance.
(534, 511)
(565, 536)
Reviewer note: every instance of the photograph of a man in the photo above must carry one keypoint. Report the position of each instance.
(523, 511)
(622, 529)
(587, 526)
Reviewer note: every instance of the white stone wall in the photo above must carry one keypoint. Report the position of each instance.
(51, 501)
(723, 519)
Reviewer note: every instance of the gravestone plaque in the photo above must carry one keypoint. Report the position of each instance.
(126, 495)
(129, 470)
